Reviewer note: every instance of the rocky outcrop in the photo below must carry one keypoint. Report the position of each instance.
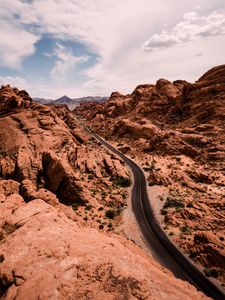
(126, 127)
(47, 256)
(179, 126)
(167, 89)
(11, 99)
(49, 155)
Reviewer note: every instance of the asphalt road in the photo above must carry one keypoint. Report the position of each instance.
(159, 243)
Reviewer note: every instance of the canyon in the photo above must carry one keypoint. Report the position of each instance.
(64, 197)
(175, 131)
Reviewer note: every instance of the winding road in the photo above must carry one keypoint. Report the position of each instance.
(159, 243)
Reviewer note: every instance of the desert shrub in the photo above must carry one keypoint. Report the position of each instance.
(122, 181)
(110, 225)
(91, 176)
(88, 207)
(124, 195)
(150, 167)
(211, 272)
(172, 202)
(104, 194)
(110, 213)
(185, 229)
(200, 238)
(190, 204)
(163, 211)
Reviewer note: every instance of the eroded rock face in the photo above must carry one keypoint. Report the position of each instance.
(47, 256)
(48, 250)
(176, 130)
(167, 89)
(47, 146)
(11, 99)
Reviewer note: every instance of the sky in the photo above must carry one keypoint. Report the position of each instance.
(94, 47)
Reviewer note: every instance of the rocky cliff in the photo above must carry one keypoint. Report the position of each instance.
(176, 130)
(61, 196)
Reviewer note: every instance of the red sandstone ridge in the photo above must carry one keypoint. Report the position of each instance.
(61, 197)
(176, 130)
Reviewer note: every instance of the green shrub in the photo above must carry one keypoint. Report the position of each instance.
(122, 181)
(172, 202)
(200, 238)
(110, 213)
(185, 229)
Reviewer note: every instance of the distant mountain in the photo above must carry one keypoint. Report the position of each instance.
(72, 103)
(43, 100)
(63, 100)
(91, 99)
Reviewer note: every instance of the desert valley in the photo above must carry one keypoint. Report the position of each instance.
(67, 229)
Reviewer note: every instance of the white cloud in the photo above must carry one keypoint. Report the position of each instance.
(115, 31)
(65, 62)
(16, 81)
(191, 28)
(15, 45)
(16, 41)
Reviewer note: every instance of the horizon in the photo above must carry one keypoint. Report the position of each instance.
(77, 48)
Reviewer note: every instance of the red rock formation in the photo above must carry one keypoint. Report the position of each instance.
(49, 250)
(181, 126)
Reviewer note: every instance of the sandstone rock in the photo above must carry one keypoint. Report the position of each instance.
(181, 125)
(29, 192)
(167, 89)
(13, 99)
(61, 180)
(76, 263)
(8, 187)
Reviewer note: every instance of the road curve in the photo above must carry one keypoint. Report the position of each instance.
(161, 246)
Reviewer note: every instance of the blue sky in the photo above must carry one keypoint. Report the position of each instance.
(86, 47)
